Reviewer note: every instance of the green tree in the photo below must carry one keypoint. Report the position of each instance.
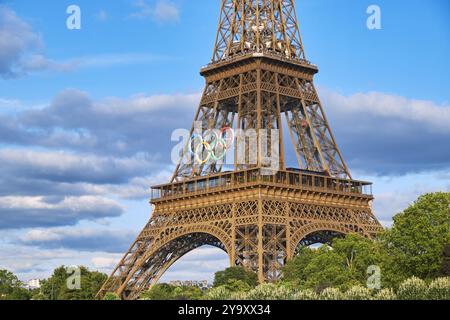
(359, 253)
(165, 291)
(343, 266)
(327, 269)
(445, 268)
(111, 296)
(294, 271)
(235, 273)
(11, 288)
(161, 291)
(187, 293)
(56, 287)
(234, 285)
(418, 237)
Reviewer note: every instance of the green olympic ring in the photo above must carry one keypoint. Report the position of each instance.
(210, 146)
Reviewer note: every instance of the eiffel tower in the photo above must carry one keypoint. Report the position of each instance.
(259, 81)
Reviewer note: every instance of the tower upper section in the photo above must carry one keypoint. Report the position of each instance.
(258, 26)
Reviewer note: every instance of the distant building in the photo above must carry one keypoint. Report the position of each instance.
(34, 284)
(203, 284)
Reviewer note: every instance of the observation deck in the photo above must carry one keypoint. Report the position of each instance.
(296, 180)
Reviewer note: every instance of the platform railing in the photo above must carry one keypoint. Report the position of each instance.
(296, 179)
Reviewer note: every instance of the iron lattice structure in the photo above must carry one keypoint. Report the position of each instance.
(258, 76)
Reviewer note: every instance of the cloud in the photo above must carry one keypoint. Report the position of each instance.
(426, 114)
(137, 188)
(199, 264)
(104, 262)
(30, 262)
(387, 134)
(108, 60)
(16, 39)
(111, 126)
(70, 168)
(21, 47)
(77, 146)
(102, 15)
(394, 194)
(6, 104)
(31, 212)
(162, 11)
(92, 240)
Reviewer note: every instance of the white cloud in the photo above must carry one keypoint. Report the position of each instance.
(102, 15)
(387, 134)
(166, 11)
(82, 239)
(105, 262)
(162, 11)
(109, 60)
(75, 121)
(199, 264)
(31, 263)
(21, 49)
(433, 116)
(8, 103)
(16, 40)
(24, 212)
(142, 103)
(70, 167)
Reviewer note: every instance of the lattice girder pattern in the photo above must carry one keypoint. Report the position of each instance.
(268, 26)
(253, 226)
(259, 80)
(255, 95)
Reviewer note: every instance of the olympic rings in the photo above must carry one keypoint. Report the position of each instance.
(214, 142)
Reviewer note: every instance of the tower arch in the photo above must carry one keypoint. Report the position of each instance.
(160, 255)
(318, 233)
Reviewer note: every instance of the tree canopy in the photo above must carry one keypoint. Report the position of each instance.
(56, 288)
(419, 235)
(417, 245)
(233, 274)
(11, 288)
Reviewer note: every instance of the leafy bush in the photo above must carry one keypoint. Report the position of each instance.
(386, 294)
(270, 291)
(439, 289)
(358, 293)
(331, 294)
(219, 293)
(412, 289)
(307, 294)
(238, 296)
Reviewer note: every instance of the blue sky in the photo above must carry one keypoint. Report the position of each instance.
(86, 115)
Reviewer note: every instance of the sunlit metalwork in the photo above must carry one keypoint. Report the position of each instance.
(257, 76)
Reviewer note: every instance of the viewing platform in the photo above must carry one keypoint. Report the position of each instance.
(291, 178)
